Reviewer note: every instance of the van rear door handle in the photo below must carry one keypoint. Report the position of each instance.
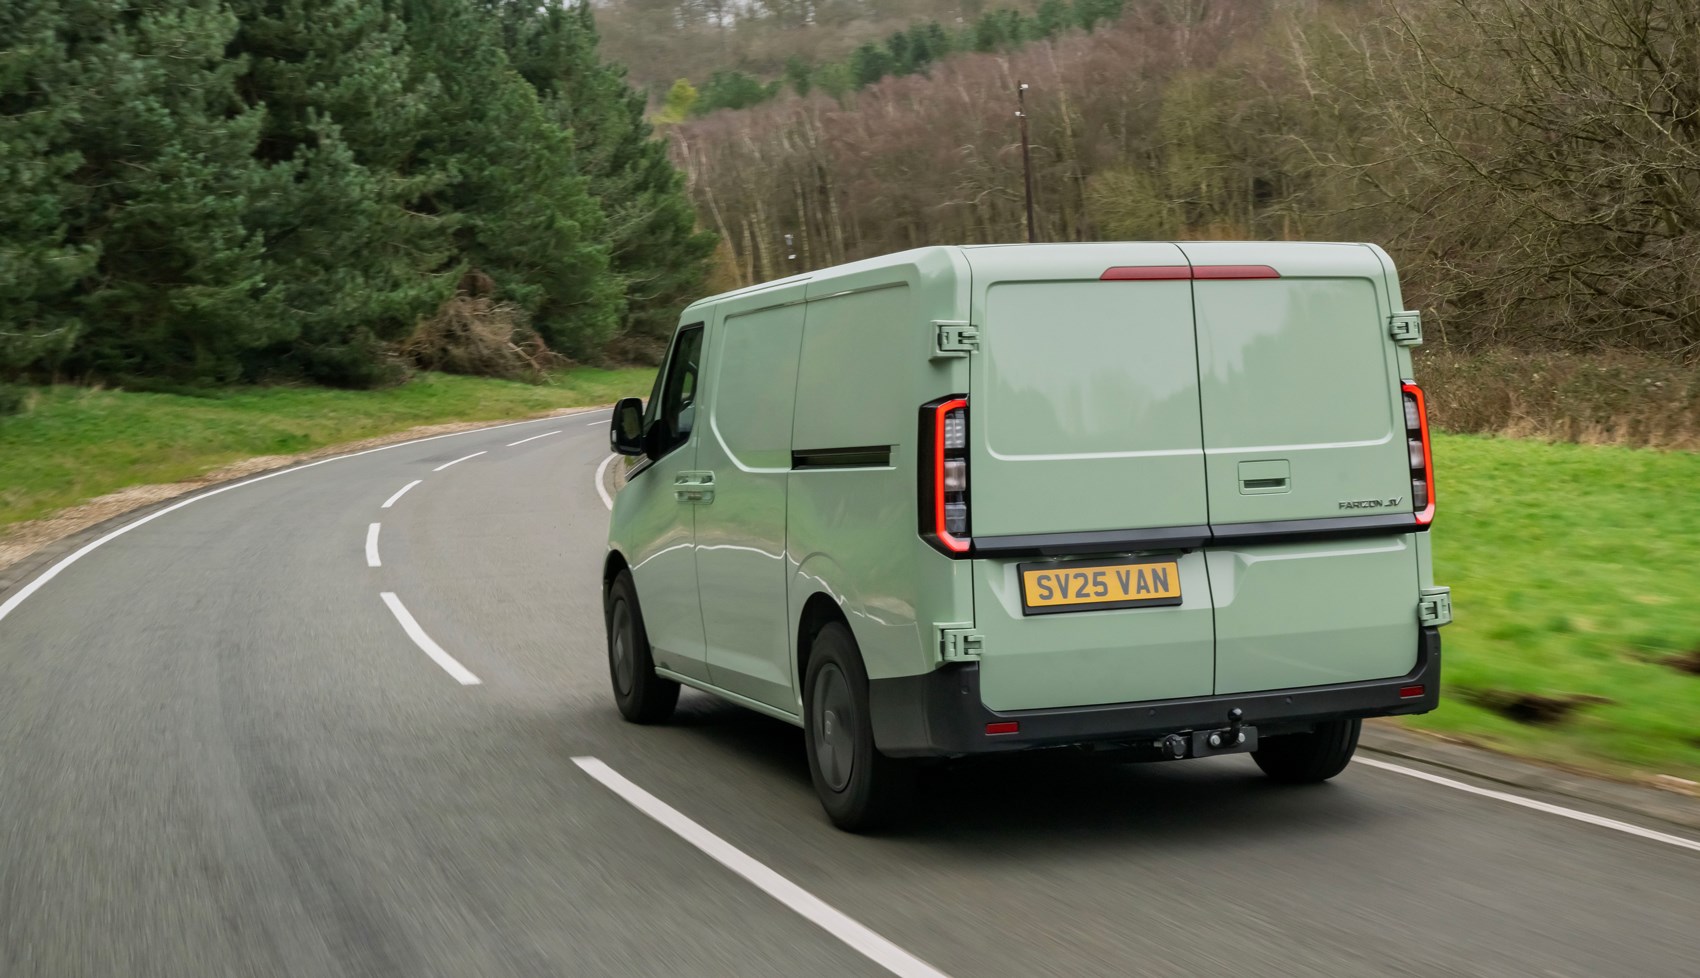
(694, 487)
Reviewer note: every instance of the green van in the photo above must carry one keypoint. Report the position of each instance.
(1167, 500)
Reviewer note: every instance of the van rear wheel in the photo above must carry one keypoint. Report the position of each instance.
(1309, 758)
(860, 788)
(643, 697)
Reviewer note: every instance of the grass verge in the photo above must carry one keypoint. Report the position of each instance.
(72, 444)
(1574, 572)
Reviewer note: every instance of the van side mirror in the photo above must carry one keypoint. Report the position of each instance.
(625, 434)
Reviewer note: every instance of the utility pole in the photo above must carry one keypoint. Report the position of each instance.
(1026, 158)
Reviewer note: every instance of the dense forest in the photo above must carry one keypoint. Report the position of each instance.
(202, 192)
(198, 192)
(1534, 165)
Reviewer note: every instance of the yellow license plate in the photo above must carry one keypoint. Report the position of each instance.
(1099, 585)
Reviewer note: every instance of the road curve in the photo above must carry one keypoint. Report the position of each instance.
(223, 751)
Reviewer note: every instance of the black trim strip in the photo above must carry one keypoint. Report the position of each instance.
(1193, 537)
(1329, 527)
(1104, 541)
(867, 456)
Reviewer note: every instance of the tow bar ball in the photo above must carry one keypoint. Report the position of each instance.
(1233, 736)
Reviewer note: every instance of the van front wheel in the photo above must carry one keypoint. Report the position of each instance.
(643, 697)
(859, 787)
(1309, 758)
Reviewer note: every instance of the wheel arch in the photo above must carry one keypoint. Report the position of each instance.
(612, 565)
(819, 610)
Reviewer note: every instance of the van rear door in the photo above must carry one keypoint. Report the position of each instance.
(1303, 433)
(1085, 448)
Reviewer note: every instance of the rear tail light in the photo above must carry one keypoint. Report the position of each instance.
(1420, 454)
(944, 474)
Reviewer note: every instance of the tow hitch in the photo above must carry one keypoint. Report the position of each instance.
(1235, 738)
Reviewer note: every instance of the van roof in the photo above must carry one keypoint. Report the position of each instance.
(1298, 259)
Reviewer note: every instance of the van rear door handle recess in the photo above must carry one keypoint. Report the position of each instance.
(694, 487)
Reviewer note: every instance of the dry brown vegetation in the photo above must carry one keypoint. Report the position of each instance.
(1534, 165)
(1617, 398)
(476, 334)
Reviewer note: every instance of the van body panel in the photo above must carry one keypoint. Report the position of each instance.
(1299, 390)
(1084, 417)
(1314, 614)
(1089, 421)
(1300, 372)
(656, 533)
(740, 533)
(1084, 414)
(1090, 657)
(866, 367)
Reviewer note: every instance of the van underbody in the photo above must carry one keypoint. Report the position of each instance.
(940, 713)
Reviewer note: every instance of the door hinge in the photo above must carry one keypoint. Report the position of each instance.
(1406, 328)
(1434, 608)
(959, 643)
(954, 339)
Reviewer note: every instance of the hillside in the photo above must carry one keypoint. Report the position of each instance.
(1531, 166)
(660, 41)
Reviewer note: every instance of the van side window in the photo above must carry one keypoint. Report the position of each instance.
(679, 393)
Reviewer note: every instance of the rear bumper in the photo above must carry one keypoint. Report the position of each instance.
(940, 713)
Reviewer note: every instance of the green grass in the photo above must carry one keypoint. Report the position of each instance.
(72, 444)
(1574, 569)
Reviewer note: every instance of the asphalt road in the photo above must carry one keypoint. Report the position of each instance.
(221, 754)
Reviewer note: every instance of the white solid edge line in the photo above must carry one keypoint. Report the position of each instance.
(1539, 806)
(33, 586)
(372, 546)
(595, 423)
(607, 500)
(458, 461)
(400, 493)
(534, 437)
(874, 947)
(432, 649)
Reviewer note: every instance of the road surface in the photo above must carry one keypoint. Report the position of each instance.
(223, 751)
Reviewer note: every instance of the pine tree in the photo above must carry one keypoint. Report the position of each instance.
(1052, 18)
(733, 89)
(868, 64)
(521, 212)
(155, 205)
(799, 73)
(354, 265)
(1090, 13)
(657, 252)
(40, 262)
(902, 57)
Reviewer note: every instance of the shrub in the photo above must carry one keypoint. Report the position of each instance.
(474, 333)
(1595, 398)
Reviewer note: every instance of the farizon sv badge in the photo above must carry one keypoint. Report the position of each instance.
(1370, 503)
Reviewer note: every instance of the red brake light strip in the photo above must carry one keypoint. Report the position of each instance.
(1171, 273)
(952, 543)
(1427, 514)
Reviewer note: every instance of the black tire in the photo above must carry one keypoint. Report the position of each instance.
(1309, 758)
(860, 788)
(643, 696)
